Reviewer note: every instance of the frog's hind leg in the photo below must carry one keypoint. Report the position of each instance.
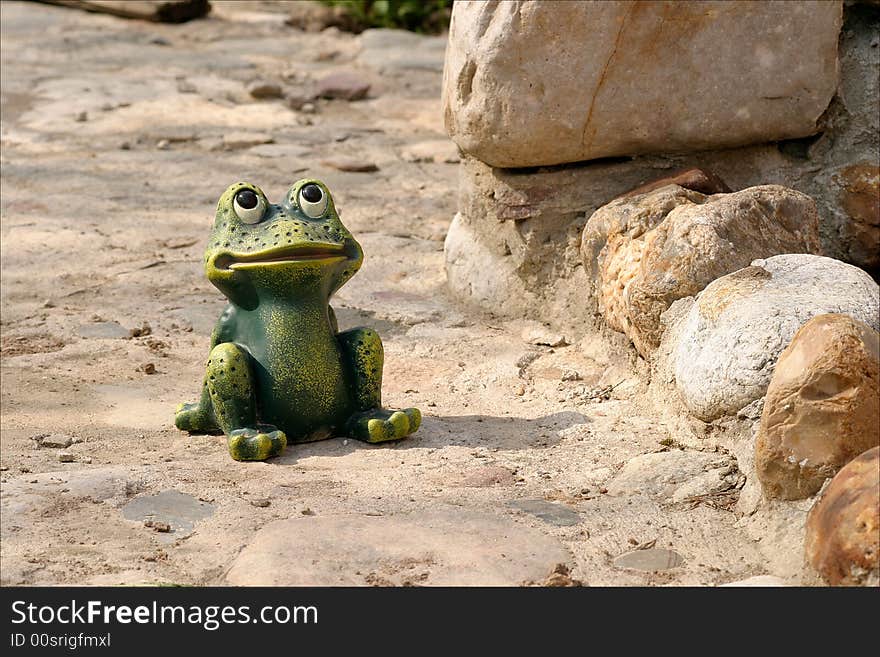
(232, 389)
(371, 422)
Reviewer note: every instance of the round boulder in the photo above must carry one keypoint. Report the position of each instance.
(730, 338)
(822, 406)
(642, 253)
(843, 528)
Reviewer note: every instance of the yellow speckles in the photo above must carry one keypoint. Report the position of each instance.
(366, 356)
(230, 386)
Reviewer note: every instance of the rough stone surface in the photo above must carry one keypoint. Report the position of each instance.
(490, 475)
(237, 140)
(346, 85)
(59, 441)
(675, 475)
(843, 529)
(515, 98)
(822, 407)
(443, 547)
(651, 559)
(351, 164)
(518, 230)
(846, 158)
(550, 512)
(104, 330)
(436, 150)
(735, 330)
(642, 253)
(398, 51)
(179, 511)
(695, 179)
(860, 200)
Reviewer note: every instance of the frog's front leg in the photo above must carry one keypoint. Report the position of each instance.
(371, 422)
(232, 387)
(197, 416)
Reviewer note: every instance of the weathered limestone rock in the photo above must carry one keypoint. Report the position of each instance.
(822, 407)
(642, 253)
(730, 338)
(525, 219)
(860, 200)
(695, 179)
(631, 78)
(843, 529)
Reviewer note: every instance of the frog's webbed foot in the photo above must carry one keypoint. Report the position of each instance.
(363, 347)
(196, 417)
(256, 444)
(232, 389)
(380, 425)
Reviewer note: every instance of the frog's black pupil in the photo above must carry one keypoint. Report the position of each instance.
(247, 199)
(312, 193)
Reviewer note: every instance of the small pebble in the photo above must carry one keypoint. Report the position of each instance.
(158, 526)
(142, 330)
(307, 512)
(54, 441)
(66, 457)
(347, 85)
(262, 90)
(147, 368)
(351, 165)
(260, 503)
(82, 116)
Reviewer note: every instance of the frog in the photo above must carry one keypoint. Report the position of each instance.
(279, 370)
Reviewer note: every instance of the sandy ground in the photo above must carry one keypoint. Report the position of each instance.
(117, 139)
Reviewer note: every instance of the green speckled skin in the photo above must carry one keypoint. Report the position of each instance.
(279, 372)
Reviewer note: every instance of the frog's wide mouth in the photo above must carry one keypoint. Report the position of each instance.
(297, 253)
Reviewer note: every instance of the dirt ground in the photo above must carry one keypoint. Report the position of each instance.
(118, 137)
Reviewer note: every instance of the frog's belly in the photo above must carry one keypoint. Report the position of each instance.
(302, 390)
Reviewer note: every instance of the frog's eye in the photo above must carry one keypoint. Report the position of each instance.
(249, 206)
(312, 200)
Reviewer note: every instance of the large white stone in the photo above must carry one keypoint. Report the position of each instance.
(730, 338)
(537, 83)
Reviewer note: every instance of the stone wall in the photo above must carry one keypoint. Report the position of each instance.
(794, 86)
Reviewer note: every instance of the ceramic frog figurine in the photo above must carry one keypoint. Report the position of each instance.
(279, 371)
